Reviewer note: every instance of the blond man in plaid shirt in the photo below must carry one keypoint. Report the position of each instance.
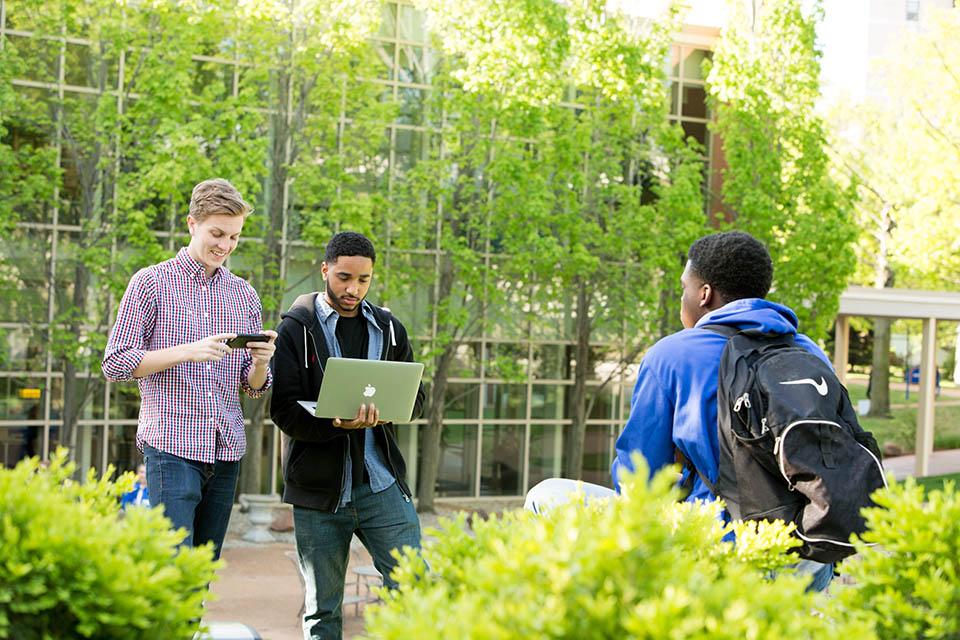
(170, 336)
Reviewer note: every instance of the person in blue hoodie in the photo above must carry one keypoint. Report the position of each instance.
(674, 405)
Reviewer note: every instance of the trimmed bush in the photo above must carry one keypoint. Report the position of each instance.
(72, 567)
(642, 566)
(908, 586)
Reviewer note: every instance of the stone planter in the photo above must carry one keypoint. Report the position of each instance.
(259, 510)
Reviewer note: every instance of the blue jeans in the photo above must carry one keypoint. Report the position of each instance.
(822, 573)
(382, 521)
(196, 496)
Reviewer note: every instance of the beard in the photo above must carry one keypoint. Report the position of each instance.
(337, 302)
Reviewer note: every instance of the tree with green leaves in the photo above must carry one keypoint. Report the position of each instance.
(303, 65)
(900, 152)
(570, 188)
(131, 144)
(763, 84)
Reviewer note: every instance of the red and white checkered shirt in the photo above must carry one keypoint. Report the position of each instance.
(191, 410)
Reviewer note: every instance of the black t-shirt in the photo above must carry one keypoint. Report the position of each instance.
(353, 337)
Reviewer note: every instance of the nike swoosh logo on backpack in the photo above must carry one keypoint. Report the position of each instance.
(821, 387)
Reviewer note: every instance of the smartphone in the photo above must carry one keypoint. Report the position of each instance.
(242, 339)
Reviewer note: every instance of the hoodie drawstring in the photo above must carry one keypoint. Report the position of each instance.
(393, 336)
(305, 365)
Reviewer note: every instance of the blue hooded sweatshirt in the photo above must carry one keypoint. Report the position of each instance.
(675, 399)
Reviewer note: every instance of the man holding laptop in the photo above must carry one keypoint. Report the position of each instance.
(343, 473)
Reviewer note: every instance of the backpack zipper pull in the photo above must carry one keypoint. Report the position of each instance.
(742, 401)
(763, 426)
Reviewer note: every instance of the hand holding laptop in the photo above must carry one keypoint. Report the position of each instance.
(366, 417)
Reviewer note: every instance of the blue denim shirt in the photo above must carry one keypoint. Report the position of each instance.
(380, 475)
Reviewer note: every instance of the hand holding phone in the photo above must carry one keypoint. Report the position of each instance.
(242, 339)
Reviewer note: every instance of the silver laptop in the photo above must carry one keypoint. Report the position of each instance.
(349, 382)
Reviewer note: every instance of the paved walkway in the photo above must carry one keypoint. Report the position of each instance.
(260, 585)
(941, 462)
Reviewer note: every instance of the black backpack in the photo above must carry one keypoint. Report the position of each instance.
(790, 444)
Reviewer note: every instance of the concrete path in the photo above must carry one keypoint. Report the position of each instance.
(260, 587)
(941, 462)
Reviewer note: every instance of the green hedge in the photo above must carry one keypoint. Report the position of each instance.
(908, 585)
(72, 566)
(643, 566)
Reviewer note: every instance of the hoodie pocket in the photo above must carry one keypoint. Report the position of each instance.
(314, 468)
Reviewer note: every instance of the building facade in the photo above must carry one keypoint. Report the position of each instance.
(501, 435)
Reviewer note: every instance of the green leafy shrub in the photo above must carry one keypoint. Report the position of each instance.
(908, 586)
(72, 567)
(642, 566)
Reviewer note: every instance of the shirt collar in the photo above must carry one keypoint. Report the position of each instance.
(191, 267)
(324, 309)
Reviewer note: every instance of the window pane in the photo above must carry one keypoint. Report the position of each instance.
(388, 23)
(505, 401)
(673, 64)
(123, 448)
(383, 52)
(39, 58)
(546, 401)
(551, 361)
(466, 361)
(17, 443)
(416, 64)
(411, 23)
(692, 61)
(26, 255)
(694, 101)
(458, 460)
(21, 398)
(546, 452)
(462, 400)
(412, 110)
(124, 401)
(604, 407)
(23, 349)
(598, 454)
(502, 460)
(507, 360)
(696, 130)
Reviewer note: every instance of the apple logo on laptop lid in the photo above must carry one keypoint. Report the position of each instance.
(369, 391)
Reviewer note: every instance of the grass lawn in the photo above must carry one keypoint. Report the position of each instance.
(901, 427)
(931, 483)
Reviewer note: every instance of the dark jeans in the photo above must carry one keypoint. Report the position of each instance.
(196, 496)
(382, 521)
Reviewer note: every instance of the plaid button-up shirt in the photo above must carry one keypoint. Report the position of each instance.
(191, 410)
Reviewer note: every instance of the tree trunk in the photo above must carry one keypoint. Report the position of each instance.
(430, 457)
(880, 365)
(880, 369)
(75, 390)
(574, 445)
(270, 285)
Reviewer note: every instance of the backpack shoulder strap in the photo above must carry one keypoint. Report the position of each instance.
(687, 487)
(723, 329)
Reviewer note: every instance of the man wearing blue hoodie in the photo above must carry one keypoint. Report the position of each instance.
(674, 405)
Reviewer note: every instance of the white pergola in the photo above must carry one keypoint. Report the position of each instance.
(928, 306)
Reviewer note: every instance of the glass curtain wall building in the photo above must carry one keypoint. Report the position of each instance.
(500, 435)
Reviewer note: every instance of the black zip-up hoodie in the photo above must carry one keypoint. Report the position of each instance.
(315, 451)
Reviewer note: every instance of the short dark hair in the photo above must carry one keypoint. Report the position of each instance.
(349, 243)
(734, 263)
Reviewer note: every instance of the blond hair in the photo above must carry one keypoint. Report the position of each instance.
(217, 196)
